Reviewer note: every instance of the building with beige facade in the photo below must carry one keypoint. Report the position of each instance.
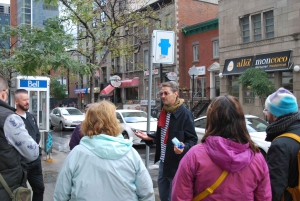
(262, 34)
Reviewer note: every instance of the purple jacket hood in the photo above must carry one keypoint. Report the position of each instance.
(228, 155)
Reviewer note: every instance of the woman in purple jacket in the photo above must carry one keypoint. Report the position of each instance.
(76, 135)
(226, 145)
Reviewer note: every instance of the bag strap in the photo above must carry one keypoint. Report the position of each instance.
(211, 189)
(3, 182)
(290, 135)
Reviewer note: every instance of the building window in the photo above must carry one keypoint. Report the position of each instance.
(146, 59)
(245, 29)
(118, 67)
(135, 37)
(1, 9)
(94, 23)
(256, 20)
(122, 5)
(234, 86)
(287, 80)
(146, 29)
(135, 60)
(216, 49)
(132, 93)
(102, 17)
(168, 21)
(195, 52)
(248, 96)
(269, 24)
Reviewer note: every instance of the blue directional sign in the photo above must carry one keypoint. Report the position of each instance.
(33, 83)
(163, 44)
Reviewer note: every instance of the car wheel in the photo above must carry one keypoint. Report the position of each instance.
(50, 125)
(61, 127)
(125, 135)
(263, 153)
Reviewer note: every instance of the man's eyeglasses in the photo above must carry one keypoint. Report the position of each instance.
(164, 93)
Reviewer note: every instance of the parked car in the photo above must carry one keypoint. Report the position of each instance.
(137, 120)
(255, 125)
(65, 117)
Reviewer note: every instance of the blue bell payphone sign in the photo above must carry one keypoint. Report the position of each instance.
(33, 83)
(163, 44)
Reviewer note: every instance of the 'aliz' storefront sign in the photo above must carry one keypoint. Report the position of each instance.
(277, 61)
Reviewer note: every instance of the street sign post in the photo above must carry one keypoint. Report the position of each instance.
(193, 71)
(163, 46)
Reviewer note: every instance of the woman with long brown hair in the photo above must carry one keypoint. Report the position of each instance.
(227, 156)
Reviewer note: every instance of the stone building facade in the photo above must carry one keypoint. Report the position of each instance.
(261, 34)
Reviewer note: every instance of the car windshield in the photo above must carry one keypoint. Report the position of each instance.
(134, 117)
(71, 112)
(256, 125)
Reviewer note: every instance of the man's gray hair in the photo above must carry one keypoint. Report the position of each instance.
(3, 83)
(173, 85)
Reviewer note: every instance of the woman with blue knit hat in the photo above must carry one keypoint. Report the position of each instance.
(282, 158)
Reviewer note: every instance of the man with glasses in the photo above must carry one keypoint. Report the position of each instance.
(16, 146)
(175, 120)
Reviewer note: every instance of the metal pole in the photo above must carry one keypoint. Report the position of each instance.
(193, 91)
(149, 103)
(161, 80)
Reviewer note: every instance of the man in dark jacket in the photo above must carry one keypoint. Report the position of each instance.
(283, 117)
(34, 169)
(174, 121)
(16, 145)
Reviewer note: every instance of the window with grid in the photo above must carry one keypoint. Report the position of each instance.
(256, 21)
(1, 9)
(118, 67)
(216, 49)
(269, 24)
(245, 29)
(196, 52)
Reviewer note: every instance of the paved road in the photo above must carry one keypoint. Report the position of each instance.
(60, 151)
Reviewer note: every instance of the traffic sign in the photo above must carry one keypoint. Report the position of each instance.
(163, 46)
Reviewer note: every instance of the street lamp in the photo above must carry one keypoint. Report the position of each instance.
(193, 72)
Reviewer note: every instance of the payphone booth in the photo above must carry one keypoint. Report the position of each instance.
(39, 101)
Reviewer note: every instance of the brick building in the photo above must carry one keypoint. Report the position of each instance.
(261, 34)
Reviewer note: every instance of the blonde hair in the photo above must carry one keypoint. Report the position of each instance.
(101, 118)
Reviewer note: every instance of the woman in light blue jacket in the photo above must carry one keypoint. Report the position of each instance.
(104, 166)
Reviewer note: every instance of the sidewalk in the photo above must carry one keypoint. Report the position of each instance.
(51, 169)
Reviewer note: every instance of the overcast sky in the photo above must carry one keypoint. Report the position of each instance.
(5, 1)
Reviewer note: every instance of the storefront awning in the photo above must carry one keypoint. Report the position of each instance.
(81, 91)
(134, 82)
(278, 61)
(107, 91)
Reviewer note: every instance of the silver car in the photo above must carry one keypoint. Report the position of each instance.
(255, 126)
(65, 118)
(134, 120)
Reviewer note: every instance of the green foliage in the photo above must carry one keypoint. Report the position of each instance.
(57, 90)
(257, 80)
(40, 49)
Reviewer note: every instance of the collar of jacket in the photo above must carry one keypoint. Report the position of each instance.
(178, 111)
(4, 104)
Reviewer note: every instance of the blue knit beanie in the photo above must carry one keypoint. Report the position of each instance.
(281, 102)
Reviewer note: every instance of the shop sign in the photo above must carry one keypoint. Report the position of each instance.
(145, 102)
(201, 70)
(172, 76)
(115, 81)
(154, 72)
(277, 61)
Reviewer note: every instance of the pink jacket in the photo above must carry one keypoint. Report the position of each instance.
(248, 177)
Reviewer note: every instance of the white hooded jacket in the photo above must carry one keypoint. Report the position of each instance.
(104, 168)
